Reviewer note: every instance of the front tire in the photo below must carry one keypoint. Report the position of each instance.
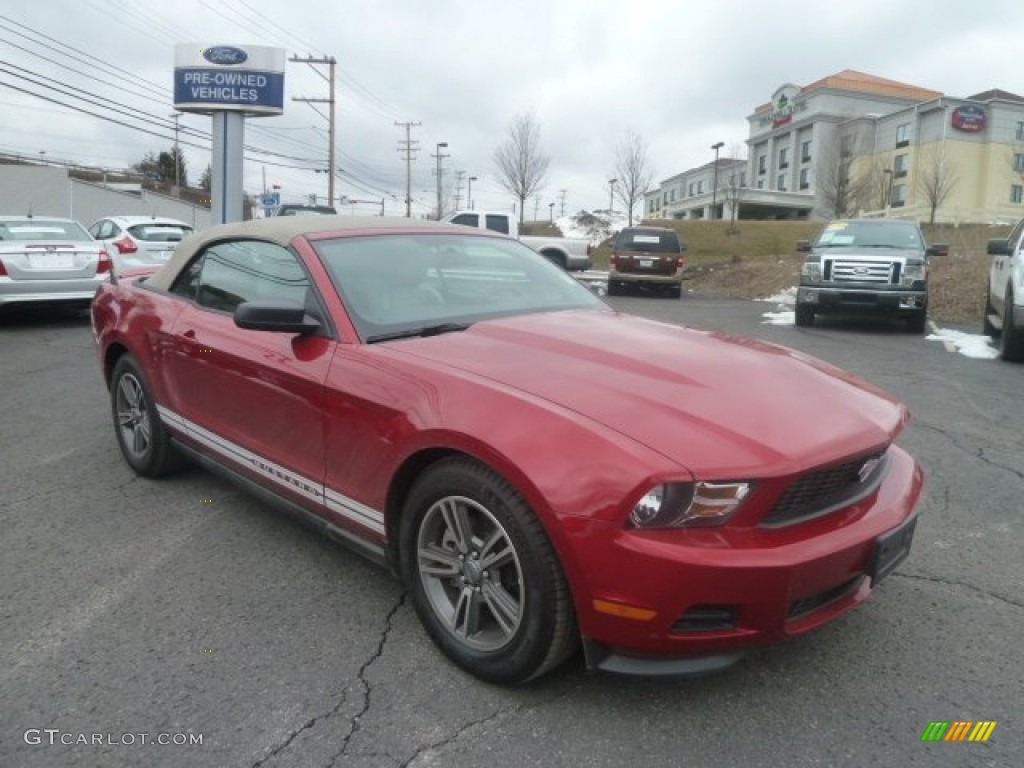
(483, 576)
(1011, 341)
(141, 435)
(918, 322)
(986, 326)
(804, 315)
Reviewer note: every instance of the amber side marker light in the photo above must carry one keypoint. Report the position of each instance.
(624, 611)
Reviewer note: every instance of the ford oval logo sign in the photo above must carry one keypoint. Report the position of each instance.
(225, 54)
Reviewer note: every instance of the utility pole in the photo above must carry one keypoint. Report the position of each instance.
(440, 171)
(459, 176)
(330, 61)
(562, 193)
(177, 154)
(408, 146)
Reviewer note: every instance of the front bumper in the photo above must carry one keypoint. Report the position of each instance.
(749, 587)
(828, 298)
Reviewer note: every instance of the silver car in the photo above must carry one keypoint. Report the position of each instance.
(44, 259)
(135, 241)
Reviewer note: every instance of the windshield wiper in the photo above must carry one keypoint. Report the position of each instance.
(427, 330)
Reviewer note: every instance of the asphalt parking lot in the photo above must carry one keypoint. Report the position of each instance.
(136, 611)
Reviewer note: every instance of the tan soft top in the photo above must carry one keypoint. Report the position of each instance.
(282, 230)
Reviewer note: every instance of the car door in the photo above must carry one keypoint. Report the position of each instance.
(252, 398)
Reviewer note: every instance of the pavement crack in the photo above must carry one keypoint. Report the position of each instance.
(354, 724)
(964, 585)
(977, 453)
(342, 700)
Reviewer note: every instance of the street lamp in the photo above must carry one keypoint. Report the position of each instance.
(611, 195)
(469, 192)
(440, 145)
(714, 184)
(551, 213)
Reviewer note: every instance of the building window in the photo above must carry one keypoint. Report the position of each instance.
(1020, 131)
(760, 183)
(900, 166)
(804, 174)
(1017, 193)
(899, 195)
(805, 152)
(672, 196)
(691, 189)
(762, 164)
(784, 157)
(1018, 161)
(780, 183)
(700, 187)
(743, 178)
(903, 135)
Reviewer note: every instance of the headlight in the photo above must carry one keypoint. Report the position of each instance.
(677, 505)
(811, 270)
(914, 272)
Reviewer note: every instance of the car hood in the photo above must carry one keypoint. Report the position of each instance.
(717, 404)
(879, 254)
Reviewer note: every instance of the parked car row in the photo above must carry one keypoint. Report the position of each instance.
(48, 259)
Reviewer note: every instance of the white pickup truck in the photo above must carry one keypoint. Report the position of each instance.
(569, 253)
(1004, 300)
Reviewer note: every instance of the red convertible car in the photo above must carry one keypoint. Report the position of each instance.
(541, 471)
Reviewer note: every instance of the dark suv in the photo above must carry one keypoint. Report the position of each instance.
(866, 265)
(651, 256)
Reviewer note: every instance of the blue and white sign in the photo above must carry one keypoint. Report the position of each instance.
(236, 78)
(271, 200)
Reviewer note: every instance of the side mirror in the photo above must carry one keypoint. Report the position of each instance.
(803, 246)
(280, 316)
(998, 247)
(682, 247)
(939, 249)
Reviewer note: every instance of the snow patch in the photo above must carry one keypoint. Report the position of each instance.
(784, 317)
(787, 297)
(967, 344)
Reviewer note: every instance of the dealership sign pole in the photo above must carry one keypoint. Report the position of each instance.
(228, 83)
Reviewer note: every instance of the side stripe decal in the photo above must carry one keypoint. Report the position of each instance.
(296, 483)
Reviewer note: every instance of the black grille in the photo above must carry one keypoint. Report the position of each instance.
(706, 618)
(800, 608)
(823, 490)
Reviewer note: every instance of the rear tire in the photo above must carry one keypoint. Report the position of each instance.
(675, 291)
(483, 576)
(141, 435)
(804, 315)
(614, 288)
(1011, 340)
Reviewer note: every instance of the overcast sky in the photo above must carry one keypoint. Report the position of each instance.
(682, 75)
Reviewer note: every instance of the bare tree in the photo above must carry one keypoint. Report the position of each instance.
(838, 188)
(732, 186)
(522, 167)
(936, 177)
(875, 187)
(632, 172)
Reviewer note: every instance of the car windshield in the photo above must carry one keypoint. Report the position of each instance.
(400, 284)
(42, 229)
(160, 233)
(870, 234)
